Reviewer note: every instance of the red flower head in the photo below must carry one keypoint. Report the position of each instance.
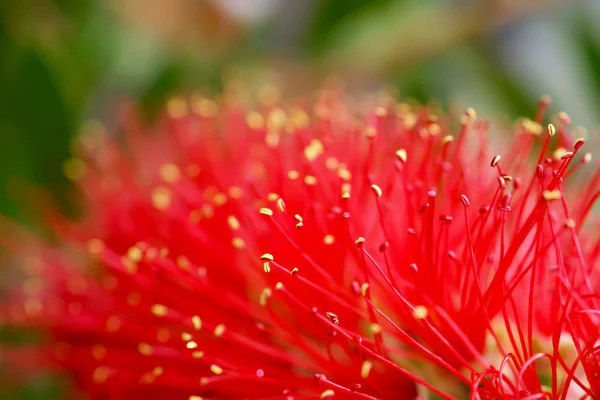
(329, 251)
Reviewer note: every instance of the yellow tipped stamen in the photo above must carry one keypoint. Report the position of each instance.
(197, 354)
(559, 153)
(447, 139)
(495, 160)
(551, 130)
(328, 239)
(377, 190)
(267, 267)
(219, 330)
(267, 256)
(366, 369)
(191, 345)
(402, 155)
(363, 288)
(266, 211)
(238, 243)
(159, 310)
(310, 180)
(145, 349)
(327, 393)
(375, 328)
(215, 369)
(332, 317)
(294, 271)
(186, 336)
(169, 173)
(161, 198)
(233, 223)
(550, 195)
(420, 312)
(255, 121)
(281, 205)
(197, 322)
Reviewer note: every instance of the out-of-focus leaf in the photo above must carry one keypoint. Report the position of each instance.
(330, 14)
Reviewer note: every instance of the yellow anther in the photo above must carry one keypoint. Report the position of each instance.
(344, 173)
(375, 328)
(293, 175)
(558, 153)
(197, 354)
(186, 336)
(310, 180)
(215, 369)
(255, 120)
(331, 163)
(134, 254)
(219, 330)
(377, 190)
(328, 239)
(495, 160)
(238, 243)
(281, 205)
(266, 211)
(278, 286)
(363, 288)
(233, 223)
(169, 173)
(370, 132)
(327, 393)
(294, 271)
(550, 195)
(161, 198)
(191, 345)
(159, 310)
(402, 155)
(570, 223)
(267, 256)
(366, 369)
(267, 267)
(551, 130)
(220, 199)
(359, 241)
(447, 139)
(145, 349)
(420, 312)
(197, 322)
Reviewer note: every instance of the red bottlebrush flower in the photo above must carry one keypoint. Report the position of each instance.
(333, 252)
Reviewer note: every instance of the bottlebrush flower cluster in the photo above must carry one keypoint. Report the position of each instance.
(323, 251)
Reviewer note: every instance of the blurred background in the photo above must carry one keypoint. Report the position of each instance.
(65, 62)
